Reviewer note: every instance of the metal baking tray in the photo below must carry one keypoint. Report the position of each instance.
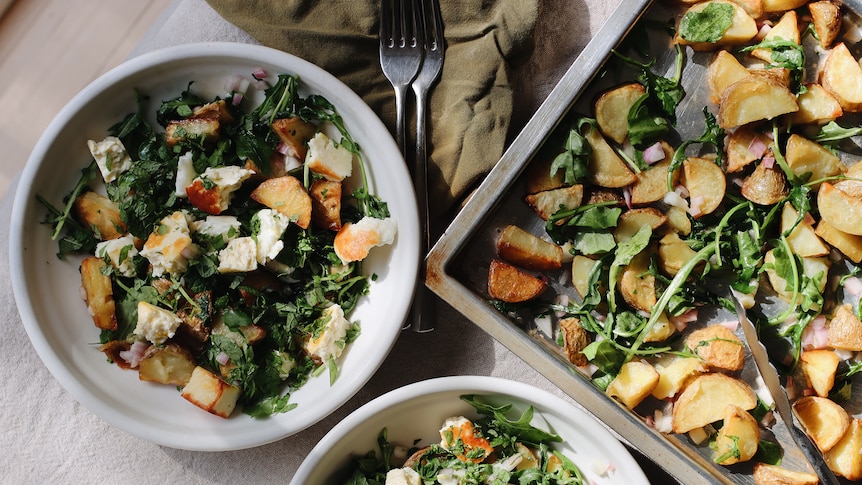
(458, 263)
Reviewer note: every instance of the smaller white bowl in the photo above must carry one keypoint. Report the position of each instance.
(416, 412)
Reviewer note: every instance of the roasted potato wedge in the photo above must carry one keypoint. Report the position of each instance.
(582, 266)
(287, 196)
(705, 400)
(845, 330)
(548, 202)
(824, 420)
(606, 168)
(651, 184)
(740, 147)
(765, 186)
(706, 184)
(523, 249)
(206, 129)
(811, 267)
(840, 210)
(816, 106)
(787, 28)
(216, 109)
(755, 98)
(167, 364)
(841, 75)
(673, 253)
(637, 285)
(678, 220)
(538, 174)
(809, 157)
(294, 133)
(511, 284)
(612, 109)
(738, 438)
(326, 204)
(826, 16)
(633, 383)
(845, 458)
(632, 220)
(849, 244)
(99, 293)
(718, 346)
(803, 241)
(781, 5)
(674, 374)
(100, 214)
(575, 340)
(765, 474)
(661, 330)
(819, 368)
(724, 70)
(742, 28)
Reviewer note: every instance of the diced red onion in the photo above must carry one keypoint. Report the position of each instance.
(222, 358)
(764, 29)
(260, 84)
(259, 73)
(757, 147)
(815, 335)
(695, 204)
(237, 99)
(853, 285)
(681, 322)
(768, 162)
(674, 199)
(731, 325)
(682, 191)
(291, 163)
(768, 419)
(654, 153)
(135, 354)
(627, 196)
(283, 148)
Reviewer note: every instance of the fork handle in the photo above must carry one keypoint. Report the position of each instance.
(401, 120)
(422, 316)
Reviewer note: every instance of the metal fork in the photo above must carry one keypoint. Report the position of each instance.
(432, 65)
(400, 54)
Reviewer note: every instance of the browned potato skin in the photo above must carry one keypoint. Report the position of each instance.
(718, 347)
(512, 285)
(845, 330)
(295, 133)
(575, 340)
(765, 186)
(217, 110)
(827, 21)
(99, 293)
(287, 196)
(100, 214)
(326, 204)
(523, 249)
(765, 474)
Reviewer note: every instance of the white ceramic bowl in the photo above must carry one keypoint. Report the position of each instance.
(416, 412)
(47, 289)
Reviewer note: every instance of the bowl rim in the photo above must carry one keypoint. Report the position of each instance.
(23, 197)
(469, 384)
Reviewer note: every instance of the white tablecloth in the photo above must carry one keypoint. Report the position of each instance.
(48, 437)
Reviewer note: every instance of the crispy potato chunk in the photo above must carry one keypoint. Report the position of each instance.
(705, 400)
(606, 168)
(651, 185)
(287, 196)
(845, 458)
(167, 364)
(739, 151)
(741, 30)
(805, 156)
(635, 381)
(181, 130)
(637, 285)
(816, 106)
(216, 110)
(824, 420)
(840, 210)
(845, 330)
(765, 186)
(755, 98)
(765, 474)
(523, 249)
(100, 214)
(819, 368)
(548, 202)
(512, 285)
(787, 28)
(849, 244)
(718, 347)
(803, 241)
(326, 204)
(826, 16)
(206, 391)
(99, 293)
(294, 133)
(575, 340)
(612, 109)
(674, 373)
(724, 70)
(633, 220)
(738, 438)
(841, 75)
(781, 5)
(673, 253)
(582, 266)
(705, 182)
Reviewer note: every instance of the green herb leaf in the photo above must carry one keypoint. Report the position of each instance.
(707, 25)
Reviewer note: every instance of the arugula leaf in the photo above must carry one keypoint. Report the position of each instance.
(707, 25)
(520, 428)
(713, 134)
(575, 157)
(832, 132)
(785, 54)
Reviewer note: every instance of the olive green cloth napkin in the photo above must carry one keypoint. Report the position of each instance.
(470, 107)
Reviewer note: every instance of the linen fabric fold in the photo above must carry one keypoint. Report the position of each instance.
(470, 108)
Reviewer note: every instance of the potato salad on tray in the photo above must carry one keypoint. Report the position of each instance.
(223, 243)
(648, 233)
